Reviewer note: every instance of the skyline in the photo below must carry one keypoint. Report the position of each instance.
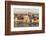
(26, 10)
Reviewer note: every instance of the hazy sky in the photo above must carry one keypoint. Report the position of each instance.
(26, 10)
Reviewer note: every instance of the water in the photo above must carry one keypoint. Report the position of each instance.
(26, 25)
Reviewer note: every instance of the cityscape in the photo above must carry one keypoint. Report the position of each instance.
(26, 20)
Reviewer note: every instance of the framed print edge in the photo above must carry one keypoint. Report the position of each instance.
(8, 16)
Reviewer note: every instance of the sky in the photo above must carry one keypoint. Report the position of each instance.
(26, 10)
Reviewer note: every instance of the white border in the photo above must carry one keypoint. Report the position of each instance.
(25, 28)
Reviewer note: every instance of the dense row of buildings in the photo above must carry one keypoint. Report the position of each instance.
(26, 18)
